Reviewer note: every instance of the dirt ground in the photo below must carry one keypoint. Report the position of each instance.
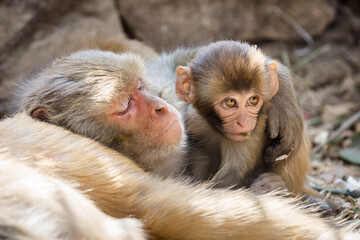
(327, 81)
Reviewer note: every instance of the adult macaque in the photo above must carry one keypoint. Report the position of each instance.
(168, 209)
(233, 95)
(101, 95)
(36, 206)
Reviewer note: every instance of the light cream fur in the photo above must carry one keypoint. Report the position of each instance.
(169, 209)
(37, 206)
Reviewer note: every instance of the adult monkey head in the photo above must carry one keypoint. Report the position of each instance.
(101, 95)
(228, 85)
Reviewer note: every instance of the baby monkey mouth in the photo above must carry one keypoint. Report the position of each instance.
(245, 135)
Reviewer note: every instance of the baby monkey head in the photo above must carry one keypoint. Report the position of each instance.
(228, 83)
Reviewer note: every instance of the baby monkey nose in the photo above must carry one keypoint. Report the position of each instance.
(240, 124)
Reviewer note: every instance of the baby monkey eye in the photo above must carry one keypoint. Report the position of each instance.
(229, 103)
(252, 101)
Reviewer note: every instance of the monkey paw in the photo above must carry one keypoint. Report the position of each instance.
(285, 136)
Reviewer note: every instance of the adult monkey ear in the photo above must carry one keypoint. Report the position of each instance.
(274, 80)
(41, 113)
(184, 87)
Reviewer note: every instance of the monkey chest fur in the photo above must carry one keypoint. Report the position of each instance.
(225, 162)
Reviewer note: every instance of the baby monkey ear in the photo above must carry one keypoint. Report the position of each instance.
(184, 87)
(274, 80)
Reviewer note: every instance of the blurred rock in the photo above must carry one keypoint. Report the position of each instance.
(81, 22)
(166, 24)
(19, 19)
(353, 57)
(357, 79)
(346, 30)
(327, 69)
(38, 31)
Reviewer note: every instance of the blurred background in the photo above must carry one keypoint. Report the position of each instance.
(319, 40)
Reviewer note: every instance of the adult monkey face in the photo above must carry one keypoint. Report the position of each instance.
(144, 118)
(101, 95)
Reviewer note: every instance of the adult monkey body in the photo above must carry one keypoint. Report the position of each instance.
(35, 206)
(234, 73)
(169, 209)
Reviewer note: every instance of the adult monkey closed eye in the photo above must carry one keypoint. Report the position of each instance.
(101, 95)
(231, 86)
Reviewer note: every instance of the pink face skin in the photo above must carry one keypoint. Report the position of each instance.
(238, 112)
(148, 119)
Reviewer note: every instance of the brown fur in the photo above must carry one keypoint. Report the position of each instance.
(294, 168)
(231, 151)
(169, 209)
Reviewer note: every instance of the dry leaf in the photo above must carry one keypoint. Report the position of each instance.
(331, 113)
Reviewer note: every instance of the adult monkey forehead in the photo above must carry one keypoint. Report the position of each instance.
(101, 95)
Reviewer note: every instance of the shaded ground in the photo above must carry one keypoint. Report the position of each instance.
(327, 82)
